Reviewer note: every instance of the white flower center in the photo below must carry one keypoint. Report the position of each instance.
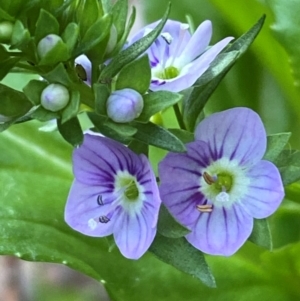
(224, 182)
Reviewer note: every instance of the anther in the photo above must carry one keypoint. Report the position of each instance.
(99, 200)
(104, 219)
(208, 178)
(204, 208)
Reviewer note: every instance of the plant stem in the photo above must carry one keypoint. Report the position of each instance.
(179, 116)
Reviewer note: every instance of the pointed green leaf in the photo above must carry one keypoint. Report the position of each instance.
(58, 75)
(34, 89)
(120, 128)
(100, 124)
(128, 79)
(102, 93)
(139, 147)
(20, 36)
(119, 12)
(181, 254)
(155, 102)
(94, 35)
(261, 234)
(184, 136)
(46, 24)
(195, 101)
(42, 114)
(275, 145)
(70, 36)
(168, 226)
(72, 108)
(153, 134)
(288, 163)
(59, 53)
(71, 131)
(6, 65)
(134, 50)
(12, 102)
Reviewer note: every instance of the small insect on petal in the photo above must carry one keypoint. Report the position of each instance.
(204, 208)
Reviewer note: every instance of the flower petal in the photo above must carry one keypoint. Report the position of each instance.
(180, 175)
(82, 206)
(265, 191)
(221, 232)
(198, 42)
(237, 134)
(134, 233)
(98, 159)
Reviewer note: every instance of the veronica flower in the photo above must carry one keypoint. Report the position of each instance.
(178, 58)
(114, 192)
(221, 183)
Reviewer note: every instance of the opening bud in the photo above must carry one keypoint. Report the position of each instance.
(6, 29)
(47, 43)
(124, 105)
(55, 97)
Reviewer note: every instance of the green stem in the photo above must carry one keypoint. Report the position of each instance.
(179, 116)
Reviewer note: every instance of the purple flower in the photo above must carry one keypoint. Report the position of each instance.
(114, 192)
(124, 105)
(221, 183)
(178, 58)
(86, 64)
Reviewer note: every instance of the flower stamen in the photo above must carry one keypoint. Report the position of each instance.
(208, 178)
(100, 200)
(205, 208)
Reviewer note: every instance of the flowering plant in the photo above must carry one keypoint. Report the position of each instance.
(99, 174)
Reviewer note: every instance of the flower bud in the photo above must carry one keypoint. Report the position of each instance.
(55, 97)
(47, 44)
(6, 29)
(124, 105)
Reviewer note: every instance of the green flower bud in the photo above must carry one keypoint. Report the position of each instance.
(55, 97)
(47, 44)
(6, 29)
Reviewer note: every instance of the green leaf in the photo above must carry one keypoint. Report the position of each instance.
(58, 75)
(288, 163)
(102, 93)
(72, 108)
(42, 114)
(128, 79)
(125, 35)
(20, 36)
(184, 136)
(59, 53)
(6, 65)
(195, 101)
(100, 124)
(119, 12)
(275, 145)
(70, 36)
(155, 102)
(71, 131)
(12, 102)
(179, 253)
(94, 35)
(4, 15)
(168, 226)
(134, 50)
(261, 234)
(33, 91)
(89, 15)
(139, 147)
(120, 128)
(46, 24)
(153, 134)
(287, 30)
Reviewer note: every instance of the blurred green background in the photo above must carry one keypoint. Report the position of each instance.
(262, 80)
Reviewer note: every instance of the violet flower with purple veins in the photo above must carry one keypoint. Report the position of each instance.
(222, 183)
(178, 58)
(114, 192)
